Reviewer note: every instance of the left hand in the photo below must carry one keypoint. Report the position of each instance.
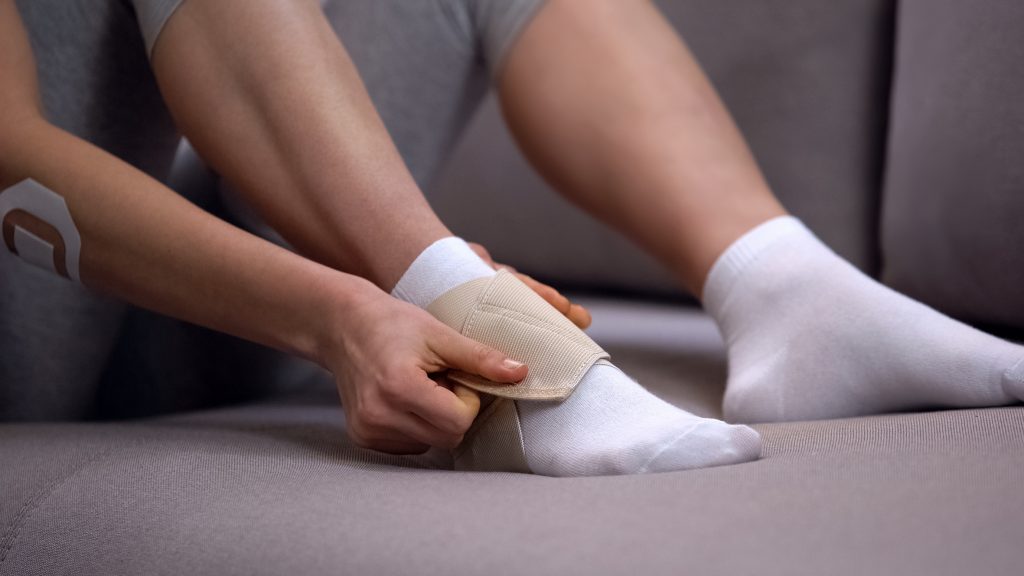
(574, 312)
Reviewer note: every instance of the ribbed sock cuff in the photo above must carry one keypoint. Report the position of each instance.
(743, 253)
(443, 265)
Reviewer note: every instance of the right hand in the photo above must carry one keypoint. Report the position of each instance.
(577, 314)
(388, 358)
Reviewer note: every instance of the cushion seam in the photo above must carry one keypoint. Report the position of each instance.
(13, 531)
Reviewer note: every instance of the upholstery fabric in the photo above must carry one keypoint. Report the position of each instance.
(277, 489)
(953, 217)
(812, 101)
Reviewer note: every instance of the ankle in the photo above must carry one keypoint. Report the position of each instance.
(441, 266)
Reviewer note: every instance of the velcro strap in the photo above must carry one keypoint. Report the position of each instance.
(495, 441)
(507, 315)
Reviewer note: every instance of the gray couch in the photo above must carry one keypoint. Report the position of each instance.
(896, 131)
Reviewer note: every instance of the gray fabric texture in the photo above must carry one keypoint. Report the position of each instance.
(953, 218)
(807, 82)
(498, 24)
(494, 24)
(277, 489)
(152, 16)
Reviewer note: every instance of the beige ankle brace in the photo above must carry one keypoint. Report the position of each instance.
(504, 313)
(494, 443)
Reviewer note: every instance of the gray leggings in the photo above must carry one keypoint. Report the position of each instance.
(68, 353)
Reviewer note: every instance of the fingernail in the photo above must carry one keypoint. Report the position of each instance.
(512, 364)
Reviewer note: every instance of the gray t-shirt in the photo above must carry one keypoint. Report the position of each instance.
(153, 15)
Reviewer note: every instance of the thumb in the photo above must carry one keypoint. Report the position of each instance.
(461, 353)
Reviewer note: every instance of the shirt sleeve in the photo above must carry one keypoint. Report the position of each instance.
(153, 16)
(498, 25)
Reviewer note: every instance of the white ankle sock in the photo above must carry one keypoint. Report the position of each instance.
(610, 424)
(810, 337)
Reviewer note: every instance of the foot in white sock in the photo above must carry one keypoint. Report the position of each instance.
(610, 424)
(810, 337)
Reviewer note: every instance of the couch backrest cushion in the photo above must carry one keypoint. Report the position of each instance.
(953, 214)
(808, 83)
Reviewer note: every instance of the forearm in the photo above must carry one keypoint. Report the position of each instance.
(145, 244)
(267, 94)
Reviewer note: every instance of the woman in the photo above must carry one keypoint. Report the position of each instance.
(606, 102)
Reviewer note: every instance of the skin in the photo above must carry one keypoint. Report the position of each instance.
(578, 314)
(317, 152)
(621, 120)
(625, 125)
(161, 252)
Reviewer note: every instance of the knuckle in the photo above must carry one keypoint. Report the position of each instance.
(442, 335)
(393, 380)
(370, 416)
(391, 390)
(358, 437)
(465, 422)
(460, 424)
(450, 441)
(404, 394)
(479, 249)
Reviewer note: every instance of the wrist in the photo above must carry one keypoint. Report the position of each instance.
(332, 307)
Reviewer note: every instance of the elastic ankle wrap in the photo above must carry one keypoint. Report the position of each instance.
(502, 312)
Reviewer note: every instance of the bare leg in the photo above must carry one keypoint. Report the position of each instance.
(318, 163)
(609, 105)
(622, 120)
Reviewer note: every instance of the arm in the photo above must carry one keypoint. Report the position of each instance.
(318, 163)
(147, 245)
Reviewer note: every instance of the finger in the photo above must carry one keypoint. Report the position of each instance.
(469, 397)
(482, 253)
(417, 428)
(379, 438)
(456, 351)
(450, 411)
(485, 255)
(580, 316)
(391, 443)
(552, 296)
(398, 447)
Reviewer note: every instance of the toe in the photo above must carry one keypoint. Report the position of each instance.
(745, 445)
(710, 443)
(1013, 380)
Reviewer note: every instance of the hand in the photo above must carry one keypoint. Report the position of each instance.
(389, 358)
(578, 314)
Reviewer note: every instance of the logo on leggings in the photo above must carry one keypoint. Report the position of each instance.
(38, 228)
